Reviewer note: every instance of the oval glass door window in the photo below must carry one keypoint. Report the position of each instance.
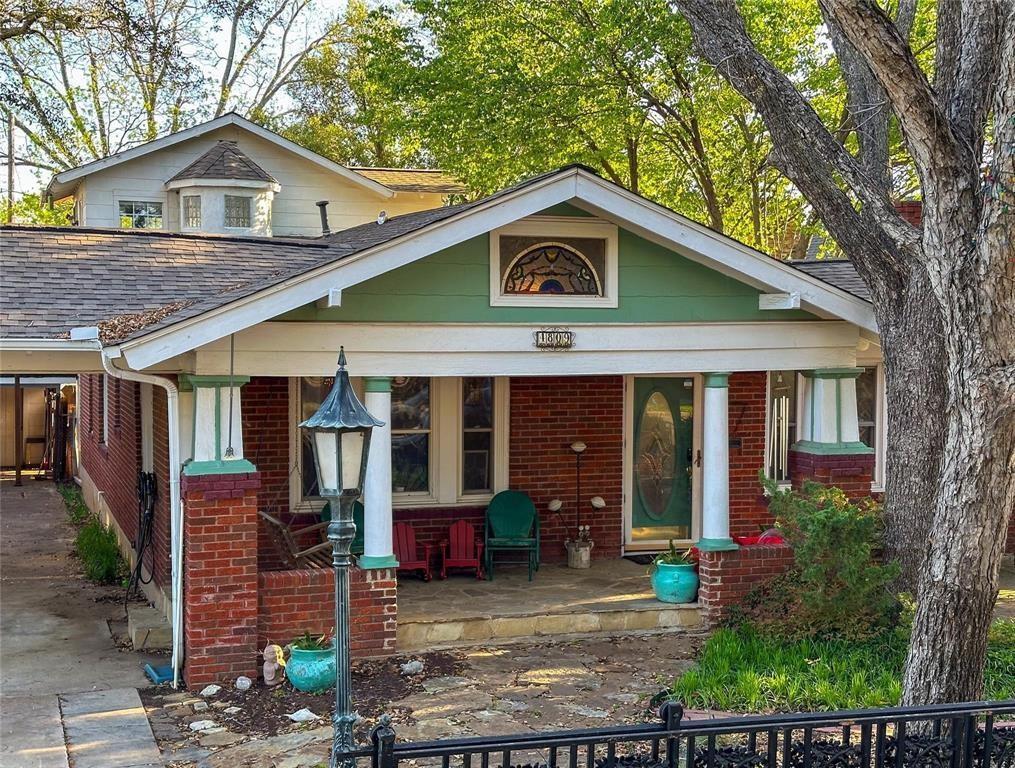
(656, 463)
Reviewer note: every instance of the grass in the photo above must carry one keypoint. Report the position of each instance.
(95, 544)
(741, 670)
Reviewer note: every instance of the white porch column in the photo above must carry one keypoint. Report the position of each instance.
(715, 466)
(377, 542)
(830, 424)
(216, 430)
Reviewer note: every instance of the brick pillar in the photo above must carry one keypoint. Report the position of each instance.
(220, 577)
(851, 472)
(725, 578)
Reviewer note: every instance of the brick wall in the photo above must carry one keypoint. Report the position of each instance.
(727, 577)
(547, 415)
(748, 393)
(265, 413)
(112, 461)
(220, 577)
(852, 473)
(160, 456)
(293, 602)
(431, 525)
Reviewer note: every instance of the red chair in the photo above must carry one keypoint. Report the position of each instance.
(407, 551)
(462, 549)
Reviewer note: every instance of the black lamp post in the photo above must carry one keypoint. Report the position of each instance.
(340, 432)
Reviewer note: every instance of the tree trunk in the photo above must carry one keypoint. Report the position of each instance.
(914, 359)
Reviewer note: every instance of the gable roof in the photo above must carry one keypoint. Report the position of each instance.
(64, 183)
(178, 292)
(225, 161)
(413, 179)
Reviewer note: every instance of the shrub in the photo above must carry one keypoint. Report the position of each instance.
(97, 547)
(836, 587)
(77, 512)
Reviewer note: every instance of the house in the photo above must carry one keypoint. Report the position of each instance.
(487, 335)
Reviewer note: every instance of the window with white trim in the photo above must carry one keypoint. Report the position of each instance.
(238, 211)
(554, 261)
(870, 410)
(140, 214)
(192, 211)
(449, 438)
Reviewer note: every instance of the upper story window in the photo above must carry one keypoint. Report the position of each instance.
(238, 211)
(192, 211)
(554, 261)
(140, 214)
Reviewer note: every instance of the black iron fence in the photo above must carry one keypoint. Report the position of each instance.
(970, 735)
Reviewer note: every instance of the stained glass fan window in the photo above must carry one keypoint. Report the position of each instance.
(552, 268)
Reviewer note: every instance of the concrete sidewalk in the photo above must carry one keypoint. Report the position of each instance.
(54, 631)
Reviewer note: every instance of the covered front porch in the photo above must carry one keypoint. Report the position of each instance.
(614, 595)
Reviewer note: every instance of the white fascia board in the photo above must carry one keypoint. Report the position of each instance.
(274, 186)
(310, 286)
(47, 345)
(73, 174)
(718, 252)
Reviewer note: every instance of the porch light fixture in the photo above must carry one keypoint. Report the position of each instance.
(340, 432)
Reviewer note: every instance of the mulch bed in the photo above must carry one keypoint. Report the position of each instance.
(376, 684)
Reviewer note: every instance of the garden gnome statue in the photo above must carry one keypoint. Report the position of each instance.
(274, 663)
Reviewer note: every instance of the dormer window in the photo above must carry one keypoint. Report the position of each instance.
(192, 211)
(238, 212)
(554, 261)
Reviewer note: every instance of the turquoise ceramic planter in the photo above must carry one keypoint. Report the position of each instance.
(311, 671)
(675, 583)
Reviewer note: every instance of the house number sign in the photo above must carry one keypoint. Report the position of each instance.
(554, 338)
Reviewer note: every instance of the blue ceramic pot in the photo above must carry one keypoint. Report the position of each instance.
(311, 671)
(675, 583)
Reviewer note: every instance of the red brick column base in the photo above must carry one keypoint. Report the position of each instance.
(727, 577)
(220, 577)
(293, 602)
(851, 472)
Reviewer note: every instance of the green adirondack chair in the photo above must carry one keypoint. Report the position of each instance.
(511, 525)
(357, 517)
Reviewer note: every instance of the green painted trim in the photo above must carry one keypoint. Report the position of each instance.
(386, 561)
(830, 449)
(717, 545)
(377, 384)
(717, 380)
(199, 380)
(834, 373)
(231, 467)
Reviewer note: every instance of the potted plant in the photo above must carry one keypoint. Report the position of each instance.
(673, 576)
(311, 666)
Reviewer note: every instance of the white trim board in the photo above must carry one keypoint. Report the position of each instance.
(572, 185)
(61, 184)
(382, 349)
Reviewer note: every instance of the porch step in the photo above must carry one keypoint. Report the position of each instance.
(416, 633)
(148, 629)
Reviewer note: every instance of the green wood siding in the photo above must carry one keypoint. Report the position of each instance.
(657, 285)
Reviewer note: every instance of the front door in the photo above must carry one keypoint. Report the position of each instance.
(662, 459)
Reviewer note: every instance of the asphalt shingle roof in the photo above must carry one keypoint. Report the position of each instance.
(131, 282)
(413, 180)
(838, 272)
(225, 160)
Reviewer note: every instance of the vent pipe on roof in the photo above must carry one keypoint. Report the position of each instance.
(323, 205)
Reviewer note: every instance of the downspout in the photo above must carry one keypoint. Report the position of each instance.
(175, 503)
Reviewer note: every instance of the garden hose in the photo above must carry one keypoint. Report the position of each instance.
(147, 493)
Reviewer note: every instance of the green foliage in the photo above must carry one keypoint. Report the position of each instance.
(836, 587)
(77, 512)
(743, 670)
(33, 209)
(97, 547)
(308, 642)
(673, 556)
